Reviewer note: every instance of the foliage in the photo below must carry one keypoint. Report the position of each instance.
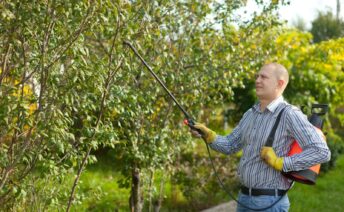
(336, 145)
(300, 24)
(326, 26)
(47, 53)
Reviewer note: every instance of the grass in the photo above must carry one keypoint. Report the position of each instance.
(100, 189)
(103, 193)
(326, 196)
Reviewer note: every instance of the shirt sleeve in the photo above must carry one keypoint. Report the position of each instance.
(231, 143)
(314, 147)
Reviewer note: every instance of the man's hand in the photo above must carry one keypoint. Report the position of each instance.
(208, 135)
(269, 156)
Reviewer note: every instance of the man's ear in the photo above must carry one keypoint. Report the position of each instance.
(281, 83)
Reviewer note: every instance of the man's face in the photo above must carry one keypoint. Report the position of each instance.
(266, 83)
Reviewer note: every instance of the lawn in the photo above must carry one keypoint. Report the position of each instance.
(99, 189)
(326, 195)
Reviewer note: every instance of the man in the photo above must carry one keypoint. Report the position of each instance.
(260, 167)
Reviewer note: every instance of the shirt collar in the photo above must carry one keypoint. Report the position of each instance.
(272, 106)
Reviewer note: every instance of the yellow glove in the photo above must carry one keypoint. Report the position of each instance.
(208, 135)
(269, 156)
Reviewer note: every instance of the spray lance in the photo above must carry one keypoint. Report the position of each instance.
(188, 120)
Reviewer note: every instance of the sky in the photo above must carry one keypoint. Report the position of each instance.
(305, 9)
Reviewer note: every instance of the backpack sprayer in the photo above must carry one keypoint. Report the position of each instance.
(308, 176)
(302, 176)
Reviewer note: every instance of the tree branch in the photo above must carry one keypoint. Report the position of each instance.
(102, 108)
(4, 70)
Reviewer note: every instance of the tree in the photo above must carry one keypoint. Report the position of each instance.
(326, 26)
(300, 24)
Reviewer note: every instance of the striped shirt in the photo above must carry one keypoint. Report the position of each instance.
(251, 134)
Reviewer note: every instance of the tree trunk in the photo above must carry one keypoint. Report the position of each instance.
(158, 202)
(338, 10)
(150, 193)
(135, 201)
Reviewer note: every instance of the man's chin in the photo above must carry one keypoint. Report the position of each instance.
(258, 94)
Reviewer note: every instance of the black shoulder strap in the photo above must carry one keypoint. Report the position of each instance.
(273, 131)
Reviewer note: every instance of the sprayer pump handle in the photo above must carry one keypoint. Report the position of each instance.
(190, 122)
(319, 109)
